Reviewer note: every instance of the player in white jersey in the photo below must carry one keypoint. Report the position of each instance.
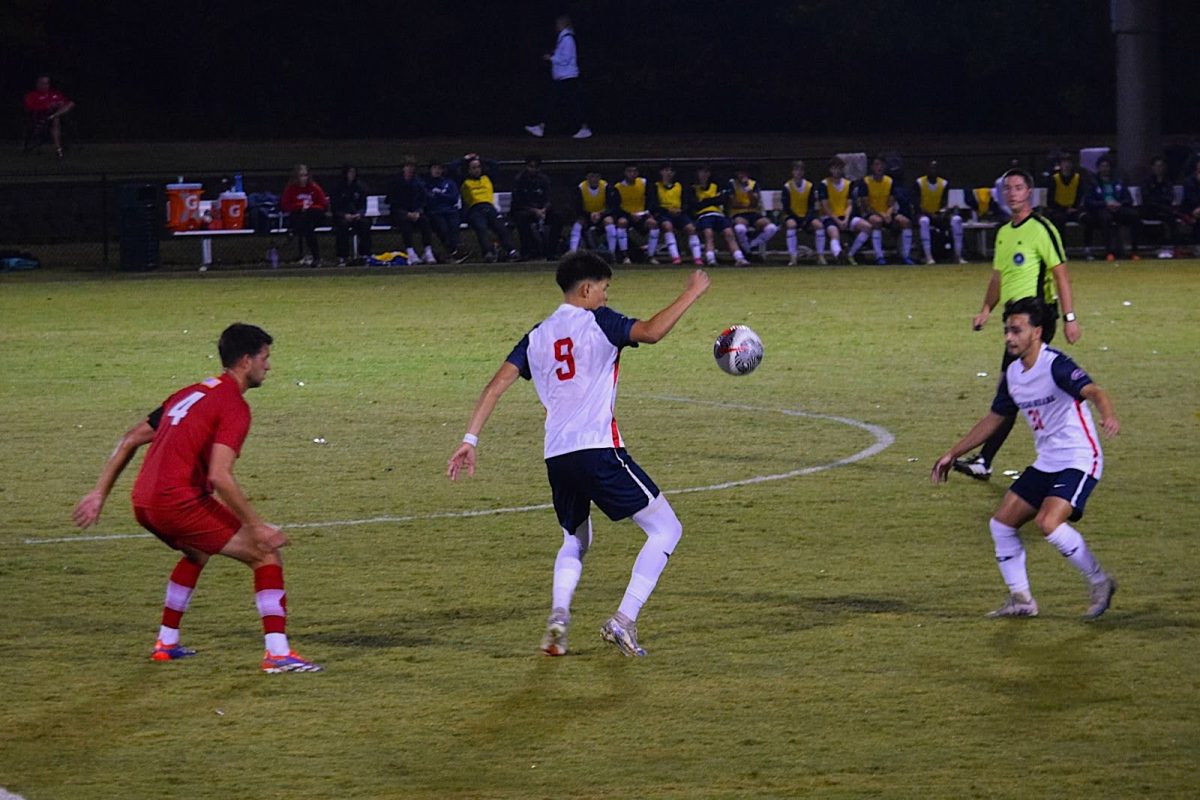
(1050, 390)
(573, 357)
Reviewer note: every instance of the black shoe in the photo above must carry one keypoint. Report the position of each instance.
(973, 467)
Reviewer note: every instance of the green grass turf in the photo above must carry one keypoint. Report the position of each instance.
(817, 636)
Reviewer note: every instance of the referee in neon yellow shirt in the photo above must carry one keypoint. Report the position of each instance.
(1029, 261)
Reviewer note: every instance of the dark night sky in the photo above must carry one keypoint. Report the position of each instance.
(220, 68)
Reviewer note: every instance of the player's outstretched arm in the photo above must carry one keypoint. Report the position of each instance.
(654, 329)
(975, 437)
(464, 456)
(220, 475)
(1108, 416)
(88, 509)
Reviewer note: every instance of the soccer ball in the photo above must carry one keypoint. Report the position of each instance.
(738, 350)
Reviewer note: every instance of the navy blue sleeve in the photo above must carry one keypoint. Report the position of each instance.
(154, 417)
(519, 357)
(1069, 376)
(1003, 403)
(616, 327)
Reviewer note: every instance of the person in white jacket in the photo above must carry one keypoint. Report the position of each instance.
(565, 96)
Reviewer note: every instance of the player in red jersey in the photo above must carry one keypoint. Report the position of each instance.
(195, 437)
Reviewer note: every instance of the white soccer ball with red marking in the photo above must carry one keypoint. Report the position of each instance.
(738, 350)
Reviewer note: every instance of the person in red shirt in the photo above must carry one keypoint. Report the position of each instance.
(46, 107)
(195, 436)
(306, 202)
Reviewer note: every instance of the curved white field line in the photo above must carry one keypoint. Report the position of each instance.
(883, 440)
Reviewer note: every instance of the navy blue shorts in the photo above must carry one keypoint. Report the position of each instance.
(607, 477)
(635, 221)
(678, 221)
(1072, 485)
(717, 222)
(802, 223)
(750, 217)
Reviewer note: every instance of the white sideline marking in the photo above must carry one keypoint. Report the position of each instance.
(883, 440)
(5, 794)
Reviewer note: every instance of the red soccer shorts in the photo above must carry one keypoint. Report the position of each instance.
(203, 524)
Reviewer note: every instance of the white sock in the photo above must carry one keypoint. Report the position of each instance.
(926, 239)
(906, 243)
(652, 242)
(820, 237)
(672, 244)
(277, 644)
(764, 235)
(877, 242)
(738, 255)
(623, 239)
(739, 233)
(956, 231)
(710, 256)
(412, 256)
(835, 244)
(168, 636)
(663, 531)
(1071, 544)
(1010, 556)
(858, 242)
(576, 235)
(568, 565)
(428, 252)
(610, 233)
(694, 244)
(791, 241)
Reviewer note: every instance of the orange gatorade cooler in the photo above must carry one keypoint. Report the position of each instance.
(183, 206)
(233, 210)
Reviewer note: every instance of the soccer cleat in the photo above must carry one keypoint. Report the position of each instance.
(537, 130)
(930, 261)
(962, 260)
(459, 256)
(583, 133)
(676, 260)
(1101, 597)
(907, 261)
(306, 261)
(1134, 257)
(699, 262)
(741, 262)
(1110, 257)
(881, 261)
(973, 467)
(554, 643)
(626, 260)
(623, 637)
(1016, 607)
(273, 665)
(850, 260)
(430, 258)
(170, 652)
(822, 262)
(653, 260)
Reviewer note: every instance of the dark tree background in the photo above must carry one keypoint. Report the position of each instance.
(146, 69)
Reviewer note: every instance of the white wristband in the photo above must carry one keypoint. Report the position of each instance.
(471, 439)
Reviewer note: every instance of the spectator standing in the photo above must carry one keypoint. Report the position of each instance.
(479, 200)
(444, 204)
(46, 107)
(1109, 206)
(1158, 205)
(565, 94)
(306, 203)
(538, 224)
(408, 200)
(348, 204)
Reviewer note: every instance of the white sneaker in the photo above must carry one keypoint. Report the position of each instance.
(554, 643)
(821, 261)
(962, 260)
(792, 260)
(1101, 597)
(1017, 606)
(929, 261)
(412, 257)
(582, 133)
(1166, 252)
(307, 261)
(430, 258)
(538, 130)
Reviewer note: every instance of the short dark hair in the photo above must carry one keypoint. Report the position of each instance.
(591, 169)
(1019, 172)
(240, 339)
(533, 158)
(1031, 306)
(579, 267)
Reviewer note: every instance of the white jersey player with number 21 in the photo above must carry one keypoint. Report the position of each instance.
(573, 358)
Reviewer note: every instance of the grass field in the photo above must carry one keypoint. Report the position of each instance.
(820, 635)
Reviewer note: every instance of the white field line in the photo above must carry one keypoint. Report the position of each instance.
(883, 440)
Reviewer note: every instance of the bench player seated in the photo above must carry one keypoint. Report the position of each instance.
(801, 214)
(592, 212)
(835, 198)
(668, 199)
(708, 209)
(745, 212)
(932, 192)
(881, 208)
(628, 198)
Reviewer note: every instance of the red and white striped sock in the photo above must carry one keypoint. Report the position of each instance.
(179, 594)
(272, 607)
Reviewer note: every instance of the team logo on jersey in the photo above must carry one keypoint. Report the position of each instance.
(1078, 375)
(1018, 258)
